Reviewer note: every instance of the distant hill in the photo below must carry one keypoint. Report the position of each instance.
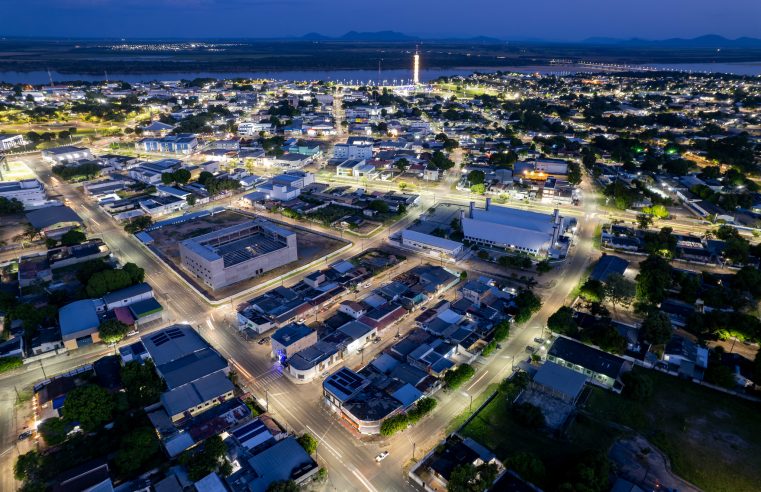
(707, 41)
(377, 36)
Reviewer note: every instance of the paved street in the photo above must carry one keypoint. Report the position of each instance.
(349, 460)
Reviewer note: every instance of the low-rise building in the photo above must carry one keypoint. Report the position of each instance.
(79, 323)
(600, 367)
(66, 154)
(238, 252)
(29, 192)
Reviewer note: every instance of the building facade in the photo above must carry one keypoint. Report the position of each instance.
(239, 252)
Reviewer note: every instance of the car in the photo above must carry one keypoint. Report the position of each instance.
(530, 349)
(376, 340)
(539, 340)
(263, 340)
(25, 435)
(382, 456)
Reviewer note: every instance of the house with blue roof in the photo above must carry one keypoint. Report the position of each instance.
(79, 323)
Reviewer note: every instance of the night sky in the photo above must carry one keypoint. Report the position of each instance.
(509, 19)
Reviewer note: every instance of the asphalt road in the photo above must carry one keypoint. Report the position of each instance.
(350, 461)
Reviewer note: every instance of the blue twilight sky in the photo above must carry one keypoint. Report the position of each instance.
(510, 19)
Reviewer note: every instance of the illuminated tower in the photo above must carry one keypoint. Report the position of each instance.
(416, 67)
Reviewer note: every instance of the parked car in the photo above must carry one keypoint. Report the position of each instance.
(381, 456)
(530, 349)
(263, 340)
(25, 435)
(539, 340)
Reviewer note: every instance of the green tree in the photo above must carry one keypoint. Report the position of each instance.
(53, 430)
(137, 224)
(402, 164)
(191, 199)
(619, 289)
(638, 386)
(27, 466)
(136, 449)
(379, 206)
(441, 161)
(181, 176)
(454, 378)
(112, 331)
(501, 330)
(469, 478)
(644, 221)
(136, 274)
(107, 281)
(478, 189)
(167, 178)
(283, 486)
(574, 173)
(526, 303)
(141, 382)
(89, 405)
(308, 442)
(720, 375)
(476, 177)
(653, 279)
(656, 328)
(592, 291)
(562, 322)
(207, 459)
(73, 237)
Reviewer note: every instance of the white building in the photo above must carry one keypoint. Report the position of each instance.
(354, 168)
(8, 141)
(252, 128)
(29, 191)
(355, 151)
(68, 153)
(431, 244)
(239, 252)
(520, 230)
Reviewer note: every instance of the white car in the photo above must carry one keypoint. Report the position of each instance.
(381, 456)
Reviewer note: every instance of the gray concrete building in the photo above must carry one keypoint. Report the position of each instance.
(239, 252)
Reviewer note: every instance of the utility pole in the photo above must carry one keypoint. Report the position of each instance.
(413, 451)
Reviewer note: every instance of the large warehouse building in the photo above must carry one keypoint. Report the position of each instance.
(239, 252)
(520, 230)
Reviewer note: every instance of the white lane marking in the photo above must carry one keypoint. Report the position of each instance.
(208, 322)
(362, 478)
(477, 380)
(322, 440)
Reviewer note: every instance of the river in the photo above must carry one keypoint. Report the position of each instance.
(365, 76)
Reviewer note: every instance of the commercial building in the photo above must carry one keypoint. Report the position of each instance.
(291, 339)
(66, 154)
(430, 244)
(54, 221)
(357, 151)
(79, 323)
(184, 143)
(355, 168)
(8, 141)
(600, 367)
(29, 191)
(195, 374)
(239, 252)
(520, 230)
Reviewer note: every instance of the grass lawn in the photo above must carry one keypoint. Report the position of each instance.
(495, 428)
(713, 439)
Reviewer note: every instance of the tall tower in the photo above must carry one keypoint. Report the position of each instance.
(416, 67)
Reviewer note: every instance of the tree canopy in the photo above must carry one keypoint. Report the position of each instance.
(89, 405)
